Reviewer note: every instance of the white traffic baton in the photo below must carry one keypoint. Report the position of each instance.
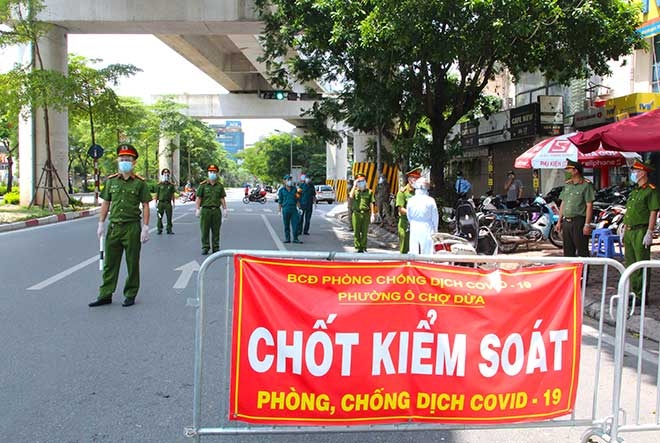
(101, 252)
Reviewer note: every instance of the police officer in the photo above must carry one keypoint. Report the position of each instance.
(575, 212)
(165, 200)
(210, 196)
(364, 212)
(307, 193)
(288, 200)
(123, 195)
(641, 212)
(402, 198)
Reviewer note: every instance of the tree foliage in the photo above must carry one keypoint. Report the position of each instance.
(410, 66)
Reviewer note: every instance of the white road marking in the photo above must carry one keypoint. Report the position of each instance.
(274, 236)
(187, 271)
(57, 277)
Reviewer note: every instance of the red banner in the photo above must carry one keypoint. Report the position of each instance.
(332, 343)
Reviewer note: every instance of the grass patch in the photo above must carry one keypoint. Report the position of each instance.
(15, 213)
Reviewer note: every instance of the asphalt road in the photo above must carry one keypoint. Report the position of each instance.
(70, 374)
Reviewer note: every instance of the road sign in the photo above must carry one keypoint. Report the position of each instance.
(95, 151)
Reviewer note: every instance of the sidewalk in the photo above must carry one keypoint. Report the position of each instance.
(388, 239)
(85, 198)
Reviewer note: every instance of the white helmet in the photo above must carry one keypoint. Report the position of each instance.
(421, 183)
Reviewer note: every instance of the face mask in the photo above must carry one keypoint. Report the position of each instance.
(303, 178)
(381, 180)
(633, 177)
(362, 185)
(568, 175)
(165, 177)
(308, 180)
(213, 176)
(289, 183)
(125, 166)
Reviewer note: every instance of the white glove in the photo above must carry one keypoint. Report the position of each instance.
(100, 231)
(198, 212)
(372, 219)
(300, 211)
(144, 235)
(225, 213)
(648, 239)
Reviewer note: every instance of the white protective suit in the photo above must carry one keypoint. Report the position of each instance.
(423, 219)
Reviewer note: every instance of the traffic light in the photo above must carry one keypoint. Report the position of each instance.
(278, 95)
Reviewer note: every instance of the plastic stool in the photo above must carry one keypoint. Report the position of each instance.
(610, 242)
(598, 241)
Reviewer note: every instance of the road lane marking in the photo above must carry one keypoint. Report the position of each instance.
(276, 239)
(187, 271)
(57, 277)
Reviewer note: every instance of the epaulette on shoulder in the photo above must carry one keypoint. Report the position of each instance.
(587, 180)
(138, 177)
(203, 182)
(651, 185)
(113, 175)
(569, 181)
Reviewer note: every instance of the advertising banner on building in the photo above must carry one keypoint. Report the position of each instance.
(331, 343)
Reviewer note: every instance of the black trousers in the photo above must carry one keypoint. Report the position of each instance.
(576, 244)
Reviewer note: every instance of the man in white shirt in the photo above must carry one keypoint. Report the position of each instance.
(422, 213)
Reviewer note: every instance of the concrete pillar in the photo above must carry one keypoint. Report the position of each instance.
(360, 144)
(169, 157)
(32, 140)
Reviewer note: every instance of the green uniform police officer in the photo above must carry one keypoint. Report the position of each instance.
(288, 200)
(364, 212)
(641, 212)
(123, 195)
(402, 198)
(210, 196)
(575, 212)
(165, 200)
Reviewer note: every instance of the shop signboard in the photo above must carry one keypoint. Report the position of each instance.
(470, 134)
(551, 114)
(590, 117)
(524, 121)
(494, 129)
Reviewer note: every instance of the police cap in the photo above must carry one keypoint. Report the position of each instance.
(126, 149)
(570, 164)
(642, 166)
(213, 168)
(165, 171)
(286, 177)
(415, 172)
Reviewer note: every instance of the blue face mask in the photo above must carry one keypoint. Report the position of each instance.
(633, 177)
(213, 176)
(289, 183)
(362, 185)
(125, 166)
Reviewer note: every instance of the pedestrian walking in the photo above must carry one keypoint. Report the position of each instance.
(641, 213)
(165, 201)
(364, 212)
(422, 213)
(124, 194)
(513, 188)
(383, 198)
(210, 198)
(288, 200)
(307, 193)
(402, 197)
(575, 212)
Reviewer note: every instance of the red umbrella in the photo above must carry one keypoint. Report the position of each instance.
(640, 133)
(552, 153)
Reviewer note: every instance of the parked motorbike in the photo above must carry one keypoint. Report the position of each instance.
(186, 197)
(466, 233)
(258, 195)
(524, 225)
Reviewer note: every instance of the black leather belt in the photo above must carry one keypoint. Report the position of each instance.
(210, 207)
(636, 227)
(571, 219)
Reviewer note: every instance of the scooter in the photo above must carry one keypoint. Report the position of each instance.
(258, 195)
(186, 197)
(467, 236)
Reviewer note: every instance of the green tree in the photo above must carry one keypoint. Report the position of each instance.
(404, 64)
(8, 127)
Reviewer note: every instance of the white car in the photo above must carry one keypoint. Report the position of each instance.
(325, 193)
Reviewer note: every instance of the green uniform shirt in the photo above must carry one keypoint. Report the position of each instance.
(641, 202)
(164, 192)
(287, 198)
(402, 198)
(211, 194)
(362, 200)
(575, 197)
(307, 195)
(126, 197)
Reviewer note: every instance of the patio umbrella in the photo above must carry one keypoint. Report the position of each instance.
(640, 133)
(552, 153)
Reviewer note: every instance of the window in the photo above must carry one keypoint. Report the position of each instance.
(656, 64)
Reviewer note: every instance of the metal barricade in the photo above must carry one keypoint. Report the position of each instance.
(587, 417)
(640, 421)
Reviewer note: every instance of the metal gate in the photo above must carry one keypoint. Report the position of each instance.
(589, 389)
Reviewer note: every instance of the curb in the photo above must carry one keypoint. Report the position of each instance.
(56, 218)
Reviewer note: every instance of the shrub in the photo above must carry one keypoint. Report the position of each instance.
(12, 198)
(3, 189)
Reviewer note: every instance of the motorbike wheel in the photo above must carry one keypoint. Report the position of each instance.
(246, 200)
(498, 230)
(262, 200)
(556, 238)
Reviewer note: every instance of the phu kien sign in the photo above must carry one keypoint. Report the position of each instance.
(326, 343)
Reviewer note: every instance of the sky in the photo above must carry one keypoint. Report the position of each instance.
(163, 72)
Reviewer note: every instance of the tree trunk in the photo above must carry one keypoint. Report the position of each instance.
(10, 171)
(441, 189)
